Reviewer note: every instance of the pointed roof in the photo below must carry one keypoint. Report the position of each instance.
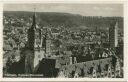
(34, 20)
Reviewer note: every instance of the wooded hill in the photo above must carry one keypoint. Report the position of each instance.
(66, 19)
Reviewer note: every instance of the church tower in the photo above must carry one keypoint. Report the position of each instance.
(35, 44)
(31, 34)
(113, 35)
(47, 42)
(29, 52)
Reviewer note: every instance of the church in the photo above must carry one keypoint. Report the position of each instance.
(36, 46)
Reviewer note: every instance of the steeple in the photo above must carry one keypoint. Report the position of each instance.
(34, 20)
(31, 33)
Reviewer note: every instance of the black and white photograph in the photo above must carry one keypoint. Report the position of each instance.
(63, 40)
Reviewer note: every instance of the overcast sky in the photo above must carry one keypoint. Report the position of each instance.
(82, 9)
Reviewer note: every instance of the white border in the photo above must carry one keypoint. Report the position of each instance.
(67, 1)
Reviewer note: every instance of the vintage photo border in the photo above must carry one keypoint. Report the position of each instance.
(125, 4)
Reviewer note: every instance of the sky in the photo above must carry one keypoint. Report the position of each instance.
(106, 10)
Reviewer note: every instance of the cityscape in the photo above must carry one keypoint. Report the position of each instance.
(62, 45)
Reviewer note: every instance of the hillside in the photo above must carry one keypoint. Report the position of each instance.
(65, 19)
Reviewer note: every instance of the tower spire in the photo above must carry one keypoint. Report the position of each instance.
(34, 19)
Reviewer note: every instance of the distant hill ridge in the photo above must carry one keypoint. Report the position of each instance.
(67, 19)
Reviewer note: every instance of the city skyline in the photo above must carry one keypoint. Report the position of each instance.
(48, 46)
